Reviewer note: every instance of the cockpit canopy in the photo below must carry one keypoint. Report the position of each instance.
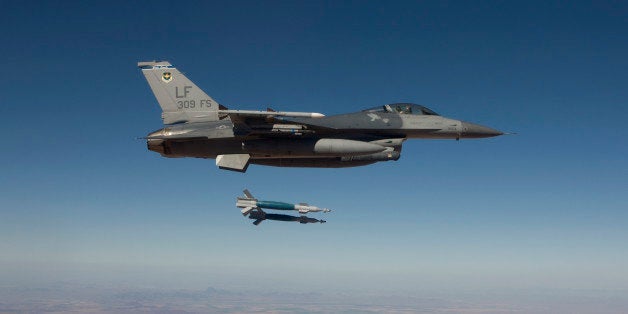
(404, 108)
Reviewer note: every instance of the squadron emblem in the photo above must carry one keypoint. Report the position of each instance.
(166, 77)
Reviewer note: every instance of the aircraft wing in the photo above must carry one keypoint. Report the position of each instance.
(244, 119)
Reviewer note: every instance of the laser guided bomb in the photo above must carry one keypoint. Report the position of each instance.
(261, 216)
(252, 206)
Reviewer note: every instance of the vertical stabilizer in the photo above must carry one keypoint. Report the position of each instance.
(248, 194)
(180, 99)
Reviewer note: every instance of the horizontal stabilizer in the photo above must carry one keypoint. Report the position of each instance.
(234, 162)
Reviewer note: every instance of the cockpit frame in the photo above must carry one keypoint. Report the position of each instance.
(404, 108)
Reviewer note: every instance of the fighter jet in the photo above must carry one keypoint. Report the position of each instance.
(198, 126)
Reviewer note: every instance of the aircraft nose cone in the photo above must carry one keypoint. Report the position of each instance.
(472, 130)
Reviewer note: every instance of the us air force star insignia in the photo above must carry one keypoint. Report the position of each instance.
(166, 77)
(376, 117)
(373, 117)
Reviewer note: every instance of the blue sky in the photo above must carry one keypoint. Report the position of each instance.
(82, 198)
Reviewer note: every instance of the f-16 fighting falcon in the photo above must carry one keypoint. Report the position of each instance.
(198, 126)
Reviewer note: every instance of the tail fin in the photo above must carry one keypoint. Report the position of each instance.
(248, 194)
(180, 99)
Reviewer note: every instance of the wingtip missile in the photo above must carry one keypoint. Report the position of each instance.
(272, 113)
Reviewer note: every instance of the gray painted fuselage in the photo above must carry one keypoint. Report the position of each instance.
(293, 142)
(198, 126)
